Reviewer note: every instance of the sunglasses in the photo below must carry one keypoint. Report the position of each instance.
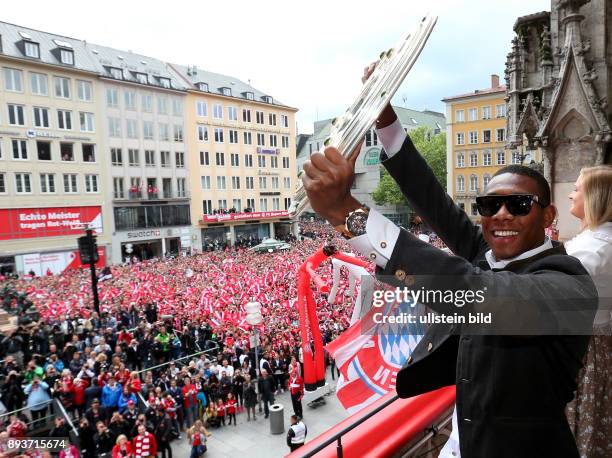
(516, 204)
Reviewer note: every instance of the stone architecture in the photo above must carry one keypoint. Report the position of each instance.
(558, 78)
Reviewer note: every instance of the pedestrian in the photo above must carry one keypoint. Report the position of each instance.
(221, 411)
(250, 399)
(230, 408)
(296, 436)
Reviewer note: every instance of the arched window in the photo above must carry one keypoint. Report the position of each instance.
(473, 183)
(460, 183)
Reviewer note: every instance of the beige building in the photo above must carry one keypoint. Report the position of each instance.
(52, 173)
(242, 158)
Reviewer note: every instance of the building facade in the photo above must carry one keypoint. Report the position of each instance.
(367, 166)
(242, 155)
(559, 80)
(53, 176)
(476, 139)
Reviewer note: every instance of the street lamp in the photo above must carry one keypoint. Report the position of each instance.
(254, 318)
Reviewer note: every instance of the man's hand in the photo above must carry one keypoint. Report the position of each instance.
(327, 179)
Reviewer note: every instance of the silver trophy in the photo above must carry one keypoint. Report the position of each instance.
(349, 129)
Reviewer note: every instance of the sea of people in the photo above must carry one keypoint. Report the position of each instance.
(169, 354)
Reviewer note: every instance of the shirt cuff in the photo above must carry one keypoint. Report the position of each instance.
(392, 137)
(378, 242)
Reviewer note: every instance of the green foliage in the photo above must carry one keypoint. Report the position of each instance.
(432, 148)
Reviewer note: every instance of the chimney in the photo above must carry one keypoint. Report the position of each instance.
(494, 81)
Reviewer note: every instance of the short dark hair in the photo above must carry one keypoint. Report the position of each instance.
(543, 186)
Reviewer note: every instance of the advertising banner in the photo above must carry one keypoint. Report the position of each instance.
(243, 216)
(56, 263)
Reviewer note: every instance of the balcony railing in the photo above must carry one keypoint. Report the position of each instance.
(144, 195)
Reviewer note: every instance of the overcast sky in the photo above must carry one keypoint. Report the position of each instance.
(309, 55)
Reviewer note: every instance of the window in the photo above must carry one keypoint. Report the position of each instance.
(181, 187)
(114, 127)
(133, 157)
(232, 113)
(486, 136)
(150, 158)
(2, 183)
(164, 82)
(274, 182)
(201, 109)
(235, 160)
(89, 152)
(287, 182)
(473, 137)
(12, 80)
(287, 201)
(38, 84)
(261, 140)
(218, 135)
(32, 49)
(129, 98)
(486, 157)
(274, 162)
(131, 128)
(166, 188)
(220, 159)
(263, 204)
(474, 159)
(485, 180)
(147, 130)
(473, 114)
(263, 182)
(460, 160)
(47, 182)
(116, 73)
(246, 115)
(147, 103)
(233, 136)
(217, 111)
(116, 156)
(205, 182)
(62, 87)
(486, 112)
(285, 162)
(179, 159)
(142, 78)
(91, 183)
(66, 57)
(460, 116)
(267, 99)
(249, 183)
(203, 133)
(164, 132)
(162, 105)
(84, 91)
(118, 191)
(222, 204)
(500, 110)
(261, 161)
(226, 91)
(248, 139)
(284, 120)
(259, 117)
(235, 182)
(64, 119)
(221, 182)
(23, 183)
(41, 117)
(284, 141)
(460, 184)
(248, 160)
(204, 159)
(165, 158)
(273, 140)
(87, 122)
(16, 115)
(178, 133)
(516, 157)
(501, 135)
(177, 107)
(207, 207)
(460, 138)
(250, 204)
(112, 97)
(473, 183)
(67, 152)
(272, 119)
(501, 157)
(70, 183)
(20, 149)
(275, 203)
(44, 150)
(237, 205)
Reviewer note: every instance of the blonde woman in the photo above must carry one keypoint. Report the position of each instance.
(590, 413)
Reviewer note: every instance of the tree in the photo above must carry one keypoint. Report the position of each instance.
(432, 148)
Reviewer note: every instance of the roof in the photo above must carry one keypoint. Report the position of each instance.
(535, 17)
(478, 92)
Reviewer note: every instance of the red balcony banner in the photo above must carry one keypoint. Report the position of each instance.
(243, 216)
(23, 223)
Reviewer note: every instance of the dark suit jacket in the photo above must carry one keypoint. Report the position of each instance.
(511, 390)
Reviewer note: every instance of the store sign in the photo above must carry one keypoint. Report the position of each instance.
(31, 133)
(146, 234)
(243, 216)
(261, 150)
(263, 172)
(372, 157)
(23, 223)
(56, 263)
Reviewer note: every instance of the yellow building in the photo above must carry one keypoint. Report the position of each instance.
(242, 156)
(476, 138)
